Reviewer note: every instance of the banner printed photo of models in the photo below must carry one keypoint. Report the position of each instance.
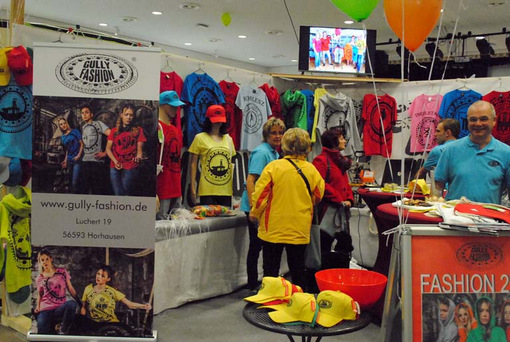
(92, 291)
(94, 146)
(461, 317)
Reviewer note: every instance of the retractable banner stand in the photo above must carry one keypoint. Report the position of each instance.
(93, 192)
(456, 286)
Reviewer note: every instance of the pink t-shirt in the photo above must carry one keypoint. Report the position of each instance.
(424, 113)
(52, 290)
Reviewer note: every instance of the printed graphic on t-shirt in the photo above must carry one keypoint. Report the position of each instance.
(253, 118)
(20, 245)
(125, 147)
(455, 105)
(426, 129)
(336, 118)
(15, 109)
(102, 305)
(172, 154)
(217, 171)
(501, 103)
(56, 287)
(90, 136)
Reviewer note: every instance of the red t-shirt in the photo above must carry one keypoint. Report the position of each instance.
(234, 114)
(501, 103)
(273, 96)
(377, 139)
(172, 81)
(125, 146)
(169, 180)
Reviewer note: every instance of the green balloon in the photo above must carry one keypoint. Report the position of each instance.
(358, 10)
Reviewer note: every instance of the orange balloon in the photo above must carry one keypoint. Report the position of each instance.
(420, 17)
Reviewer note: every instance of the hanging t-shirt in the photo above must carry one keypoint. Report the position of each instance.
(256, 110)
(338, 111)
(71, 142)
(319, 92)
(377, 135)
(455, 105)
(234, 114)
(168, 182)
(200, 91)
(310, 109)
(424, 113)
(125, 146)
(501, 103)
(294, 109)
(52, 290)
(101, 305)
(92, 135)
(16, 121)
(172, 81)
(215, 160)
(15, 230)
(273, 97)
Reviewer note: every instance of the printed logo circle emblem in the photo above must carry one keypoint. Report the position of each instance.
(96, 73)
(479, 254)
(253, 118)
(16, 109)
(426, 130)
(325, 304)
(218, 166)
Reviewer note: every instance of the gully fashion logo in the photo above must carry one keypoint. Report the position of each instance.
(96, 73)
(479, 254)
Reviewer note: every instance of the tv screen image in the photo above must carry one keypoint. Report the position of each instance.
(336, 50)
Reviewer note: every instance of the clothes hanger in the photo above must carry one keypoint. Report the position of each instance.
(59, 40)
(253, 83)
(463, 86)
(167, 65)
(199, 70)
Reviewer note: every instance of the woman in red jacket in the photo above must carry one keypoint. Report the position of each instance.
(338, 193)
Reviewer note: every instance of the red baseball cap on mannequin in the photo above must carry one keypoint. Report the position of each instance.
(216, 113)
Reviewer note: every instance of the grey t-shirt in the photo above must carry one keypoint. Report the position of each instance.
(92, 135)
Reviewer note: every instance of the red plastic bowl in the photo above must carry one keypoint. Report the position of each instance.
(365, 287)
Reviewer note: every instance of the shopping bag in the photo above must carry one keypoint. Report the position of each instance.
(313, 250)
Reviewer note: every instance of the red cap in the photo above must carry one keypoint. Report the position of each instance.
(20, 64)
(216, 113)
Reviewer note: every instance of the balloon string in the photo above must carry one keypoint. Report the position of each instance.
(437, 43)
(377, 100)
(461, 6)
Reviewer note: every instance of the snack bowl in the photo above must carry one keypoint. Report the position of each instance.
(365, 287)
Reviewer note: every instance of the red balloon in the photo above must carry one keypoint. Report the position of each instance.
(420, 17)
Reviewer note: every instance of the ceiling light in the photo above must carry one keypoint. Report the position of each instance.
(242, 36)
(157, 13)
(484, 47)
(293, 60)
(479, 37)
(187, 44)
(348, 83)
(129, 19)
(189, 6)
(251, 58)
(348, 22)
(103, 24)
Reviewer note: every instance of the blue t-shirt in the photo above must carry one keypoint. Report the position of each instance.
(480, 175)
(310, 109)
(434, 155)
(259, 158)
(455, 105)
(16, 121)
(71, 143)
(199, 92)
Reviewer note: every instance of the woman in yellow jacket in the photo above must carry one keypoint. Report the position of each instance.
(283, 205)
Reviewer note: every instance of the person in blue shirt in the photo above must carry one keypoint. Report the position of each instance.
(272, 133)
(447, 130)
(73, 146)
(478, 165)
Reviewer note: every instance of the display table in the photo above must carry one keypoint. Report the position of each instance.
(199, 259)
(260, 318)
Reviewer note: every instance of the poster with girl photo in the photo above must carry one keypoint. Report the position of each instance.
(461, 317)
(94, 146)
(92, 291)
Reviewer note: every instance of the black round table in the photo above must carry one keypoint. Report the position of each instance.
(260, 318)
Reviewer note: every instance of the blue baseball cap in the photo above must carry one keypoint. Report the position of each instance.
(171, 98)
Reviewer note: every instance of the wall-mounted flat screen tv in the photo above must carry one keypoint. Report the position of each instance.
(336, 50)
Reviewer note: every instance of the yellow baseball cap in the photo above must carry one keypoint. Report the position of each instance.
(5, 73)
(272, 289)
(302, 307)
(334, 307)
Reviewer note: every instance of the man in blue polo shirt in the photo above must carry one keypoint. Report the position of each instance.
(476, 166)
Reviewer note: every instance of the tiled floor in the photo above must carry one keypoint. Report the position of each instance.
(216, 319)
